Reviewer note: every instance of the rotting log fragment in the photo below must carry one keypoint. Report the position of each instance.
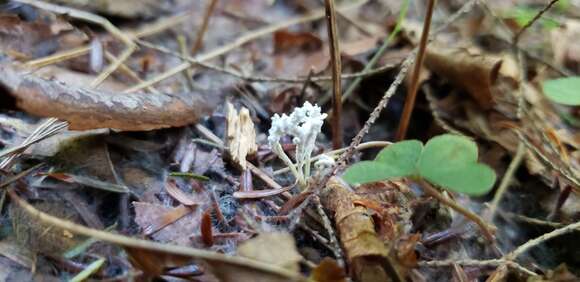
(367, 255)
(86, 108)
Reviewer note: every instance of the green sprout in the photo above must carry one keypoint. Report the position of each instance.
(449, 161)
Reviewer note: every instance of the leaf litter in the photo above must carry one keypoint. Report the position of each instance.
(152, 118)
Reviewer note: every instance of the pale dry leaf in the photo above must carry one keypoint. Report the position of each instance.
(276, 248)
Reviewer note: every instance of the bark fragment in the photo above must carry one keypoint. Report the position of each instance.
(86, 108)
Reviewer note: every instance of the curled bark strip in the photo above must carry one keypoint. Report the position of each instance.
(86, 108)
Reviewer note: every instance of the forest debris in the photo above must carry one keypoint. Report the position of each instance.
(41, 237)
(474, 72)
(240, 134)
(19, 254)
(278, 249)
(89, 182)
(86, 108)
(285, 41)
(328, 271)
(179, 195)
(367, 255)
(31, 39)
(159, 222)
(125, 8)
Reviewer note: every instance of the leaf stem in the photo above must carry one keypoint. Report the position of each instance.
(432, 191)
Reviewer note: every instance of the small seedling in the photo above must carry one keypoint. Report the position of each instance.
(564, 91)
(449, 161)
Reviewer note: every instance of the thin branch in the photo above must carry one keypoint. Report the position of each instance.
(412, 94)
(257, 78)
(250, 36)
(506, 180)
(336, 71)
(477, 263)
(375, 59)
(539, 240)
(531, 22)
(203, 27)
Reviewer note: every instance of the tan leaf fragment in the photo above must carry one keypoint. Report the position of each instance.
(240, 134)
(366, 253)
(277, 249)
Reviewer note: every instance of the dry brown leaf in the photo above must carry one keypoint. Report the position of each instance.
(305, 41)
(86, 108)
(278, 249)
(466, 68)
(240, 135)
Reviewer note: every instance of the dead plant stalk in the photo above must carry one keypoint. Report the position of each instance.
(336, 70)
(412, 94)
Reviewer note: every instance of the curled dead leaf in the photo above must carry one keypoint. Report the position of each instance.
(476, 73)
(86, 108)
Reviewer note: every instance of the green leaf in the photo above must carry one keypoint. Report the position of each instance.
(473, 179)
(564, 91)
(370, 171)
(450, 161)
(404, 155)
(396, 160)
(448, 150)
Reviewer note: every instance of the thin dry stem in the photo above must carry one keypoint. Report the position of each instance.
(203, 28)
(412, 94)
(263, 78)
(336, 71)
(531, 22)
(541, 239)
(506, 180)
(431, 191)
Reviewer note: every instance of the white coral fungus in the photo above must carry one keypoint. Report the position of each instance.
(303, 124)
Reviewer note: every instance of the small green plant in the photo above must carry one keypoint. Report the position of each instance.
(449, 161)
(564, 91)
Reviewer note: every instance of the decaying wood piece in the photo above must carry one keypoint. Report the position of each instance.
(240, 134)
(474, 72)
(366, 254)
(86, 108)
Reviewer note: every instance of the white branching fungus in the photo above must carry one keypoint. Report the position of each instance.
(303, 125)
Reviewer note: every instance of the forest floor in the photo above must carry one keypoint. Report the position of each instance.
(226, 140)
